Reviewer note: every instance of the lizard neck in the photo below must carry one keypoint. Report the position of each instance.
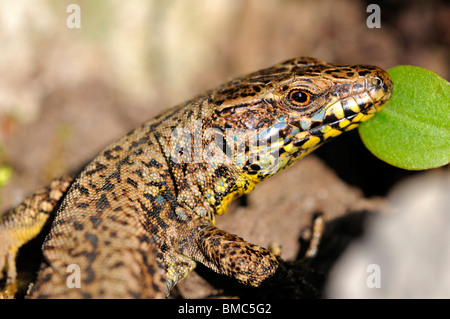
(206, 177)
(213, 164)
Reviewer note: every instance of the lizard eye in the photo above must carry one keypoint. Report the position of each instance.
(299, 97)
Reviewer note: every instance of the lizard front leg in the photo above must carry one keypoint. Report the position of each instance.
(230, 255)
(23, 223)
(250, 264)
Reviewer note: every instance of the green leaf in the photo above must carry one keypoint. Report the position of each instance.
(413, 129)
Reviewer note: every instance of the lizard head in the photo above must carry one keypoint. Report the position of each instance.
(284, 112)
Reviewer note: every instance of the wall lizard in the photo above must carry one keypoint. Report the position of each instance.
(138, 218)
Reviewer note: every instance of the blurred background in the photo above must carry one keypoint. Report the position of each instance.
(66, 93)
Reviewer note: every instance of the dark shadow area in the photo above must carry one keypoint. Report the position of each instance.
(336, 237)
(357, 166)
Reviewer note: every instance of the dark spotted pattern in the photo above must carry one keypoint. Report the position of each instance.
(141, 214)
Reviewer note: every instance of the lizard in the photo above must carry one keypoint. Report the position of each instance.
(141, 215)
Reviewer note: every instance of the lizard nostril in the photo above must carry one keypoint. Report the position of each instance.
(374, 83)
(377, 82)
